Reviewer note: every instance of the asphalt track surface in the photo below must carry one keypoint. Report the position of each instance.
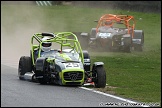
(18, 93)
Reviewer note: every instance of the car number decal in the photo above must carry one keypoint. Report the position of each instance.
(71, 65)
(104, 35)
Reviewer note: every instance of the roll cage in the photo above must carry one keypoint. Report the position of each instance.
(119, 19)
(62, 38)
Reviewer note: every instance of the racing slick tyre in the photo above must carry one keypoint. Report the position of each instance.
(100, 81)
(93, 33)
(25, 65)
(87, 60)
(42, 80)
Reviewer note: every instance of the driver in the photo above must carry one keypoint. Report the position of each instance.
(106, 27)
(46, 46)
(108, 23)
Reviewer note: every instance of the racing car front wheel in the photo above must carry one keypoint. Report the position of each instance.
(43, 80)
(100, 81)
(24, 66)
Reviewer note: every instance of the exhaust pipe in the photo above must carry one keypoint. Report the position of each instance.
(29, 76)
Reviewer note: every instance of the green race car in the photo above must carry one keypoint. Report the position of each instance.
(65, 63)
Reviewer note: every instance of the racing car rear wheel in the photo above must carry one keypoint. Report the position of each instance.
(24, 66)
(100, 81)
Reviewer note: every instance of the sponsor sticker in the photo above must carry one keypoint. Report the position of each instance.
(71, 65)
(104, 35)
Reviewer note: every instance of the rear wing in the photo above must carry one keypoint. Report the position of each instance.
(127, 20)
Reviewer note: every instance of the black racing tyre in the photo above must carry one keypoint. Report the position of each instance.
(42, 80)
(87, 62)
(100, 81)
(25, 65)
(93, 33)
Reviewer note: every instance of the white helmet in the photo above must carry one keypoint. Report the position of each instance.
(46, 46)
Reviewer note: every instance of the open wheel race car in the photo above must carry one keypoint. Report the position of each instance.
(115, 33)
(65, 65)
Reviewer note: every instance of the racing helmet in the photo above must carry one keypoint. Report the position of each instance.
(46, 46)
(108, 23)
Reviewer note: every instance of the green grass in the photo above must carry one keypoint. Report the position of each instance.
(135, 75)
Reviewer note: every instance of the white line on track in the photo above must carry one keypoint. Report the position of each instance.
(119, 98)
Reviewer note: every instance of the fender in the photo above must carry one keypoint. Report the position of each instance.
(95, 64)
(40, 63)
(98, 64)
(138, 37)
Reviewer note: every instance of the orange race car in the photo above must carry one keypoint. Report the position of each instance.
(116, 33)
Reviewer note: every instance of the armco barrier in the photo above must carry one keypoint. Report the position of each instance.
(141, 6)
(44, 3)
